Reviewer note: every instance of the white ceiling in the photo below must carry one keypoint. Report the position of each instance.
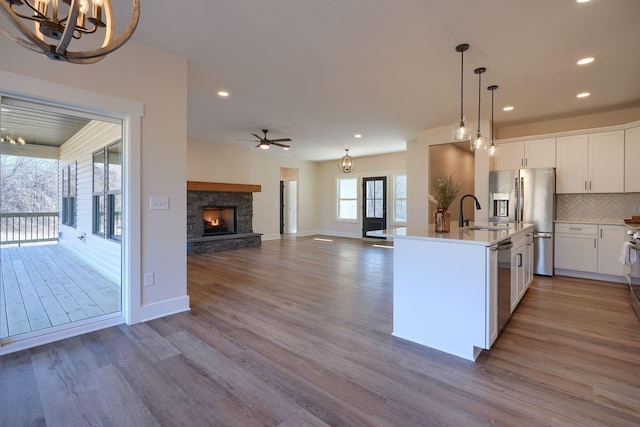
(320, 71)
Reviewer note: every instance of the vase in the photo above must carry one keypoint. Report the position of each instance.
(442, 220)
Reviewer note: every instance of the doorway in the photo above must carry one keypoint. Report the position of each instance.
(288, 201)
(374, 204)
(61, 219)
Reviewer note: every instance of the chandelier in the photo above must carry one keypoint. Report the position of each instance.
(13, 141)
(50, 25)
(347, 163)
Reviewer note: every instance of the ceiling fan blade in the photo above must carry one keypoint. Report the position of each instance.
(259, 137)
(280, 140)
(279, 145)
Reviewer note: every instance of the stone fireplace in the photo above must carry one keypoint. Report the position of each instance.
(220, 217)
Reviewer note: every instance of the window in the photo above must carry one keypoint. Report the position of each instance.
(400, 198)
(69, 194)
(347, 199)
(107, 192)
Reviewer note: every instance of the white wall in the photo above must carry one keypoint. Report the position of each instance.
(418, 209)
(104, 254)
(157, 79)
(237, 164)
(369, 166)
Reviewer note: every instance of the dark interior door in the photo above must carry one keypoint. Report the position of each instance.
(281, 207)
(374, 206)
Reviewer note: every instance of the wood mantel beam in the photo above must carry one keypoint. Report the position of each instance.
(219, 186)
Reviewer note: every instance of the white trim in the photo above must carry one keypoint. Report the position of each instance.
(130, 113)
(270, 237)
(164, 308)
(569, 133)
(340, 234)
(588, 275)
(66, 330)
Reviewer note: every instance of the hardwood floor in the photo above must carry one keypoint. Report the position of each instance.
(297, 333)
(46, 285)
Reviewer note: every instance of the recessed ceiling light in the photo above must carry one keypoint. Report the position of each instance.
(509, 108)
(223, 93)
(4, 110)
(582, 1)
(357, 135)
(585, 61)
(2, 129)
(583, 95)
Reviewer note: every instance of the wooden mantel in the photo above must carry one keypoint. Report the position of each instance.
(219, 186)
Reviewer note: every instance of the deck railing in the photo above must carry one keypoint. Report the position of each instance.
(19, 228)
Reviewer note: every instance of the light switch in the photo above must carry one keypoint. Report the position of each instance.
(158, 203)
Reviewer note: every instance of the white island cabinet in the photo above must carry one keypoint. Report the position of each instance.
(444, 286)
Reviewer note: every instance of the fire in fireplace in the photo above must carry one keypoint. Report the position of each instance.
(219, 220)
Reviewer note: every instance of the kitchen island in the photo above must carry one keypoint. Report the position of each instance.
(445, 284)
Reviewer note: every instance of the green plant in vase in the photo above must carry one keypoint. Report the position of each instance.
(446, 189)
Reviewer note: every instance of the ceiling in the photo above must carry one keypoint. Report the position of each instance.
(321, 71)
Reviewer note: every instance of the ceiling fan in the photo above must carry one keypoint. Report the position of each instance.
(265, 143)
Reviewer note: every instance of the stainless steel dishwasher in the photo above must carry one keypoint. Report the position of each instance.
(504, 282)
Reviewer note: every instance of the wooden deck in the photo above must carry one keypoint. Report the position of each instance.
(46, 285)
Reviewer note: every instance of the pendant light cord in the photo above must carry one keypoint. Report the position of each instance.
(461, 84)
(492, 92)
(479, 96)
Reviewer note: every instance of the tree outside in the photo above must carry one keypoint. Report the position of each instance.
(28, 184)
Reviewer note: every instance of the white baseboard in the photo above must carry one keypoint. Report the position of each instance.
(340, 234)
(161, 309)
(587, 275)
(270, 237)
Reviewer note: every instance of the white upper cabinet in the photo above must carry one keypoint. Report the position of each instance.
(572, 157)
(592, 163)
(632, 160)
(606, 162)
(535, 153)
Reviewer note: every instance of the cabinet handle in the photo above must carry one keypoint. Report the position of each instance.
(589, 185)
(594, 244)
(575, 228)
(522, 161)
(601, 233)
(519, 260)
(585, 185)
(526, 162)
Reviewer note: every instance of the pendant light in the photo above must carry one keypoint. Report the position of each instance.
(461, 130)
(347, 163)
(493, 149)
(479, 142)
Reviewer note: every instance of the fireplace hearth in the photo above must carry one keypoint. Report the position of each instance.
(219, 220)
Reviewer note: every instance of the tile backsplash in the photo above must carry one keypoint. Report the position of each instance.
(597, 207)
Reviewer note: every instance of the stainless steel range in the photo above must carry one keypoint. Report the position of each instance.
(631, 255)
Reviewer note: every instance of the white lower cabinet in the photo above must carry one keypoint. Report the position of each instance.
(590, 248)
(610, 241)
(521, 268)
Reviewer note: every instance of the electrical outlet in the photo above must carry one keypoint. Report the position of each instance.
(158, 203)
(148, 279)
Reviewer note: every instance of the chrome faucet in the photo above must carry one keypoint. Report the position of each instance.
(461, 220)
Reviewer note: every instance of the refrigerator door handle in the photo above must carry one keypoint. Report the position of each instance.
(522, 199)
(517, 201)
(542, 235)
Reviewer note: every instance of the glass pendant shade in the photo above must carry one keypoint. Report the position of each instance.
(493, 150)
(478, 143)
(461, 131)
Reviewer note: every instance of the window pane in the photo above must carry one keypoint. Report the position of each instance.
(115, 216)
(378, 208)
(348, 209)
(348, 188)
(72, 179)
(370, 209)
(65, 181)
(401, 211)
(370, 190)
(378, 191)
(98, 215)
(401, 186)
(115, 167)
(72, 211)
(98, 172)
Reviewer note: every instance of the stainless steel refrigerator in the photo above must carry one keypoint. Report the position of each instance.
(527, 195)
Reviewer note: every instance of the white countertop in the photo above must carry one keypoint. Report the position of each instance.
(465, 235)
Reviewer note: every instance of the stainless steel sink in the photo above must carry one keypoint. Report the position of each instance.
(488, 228)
